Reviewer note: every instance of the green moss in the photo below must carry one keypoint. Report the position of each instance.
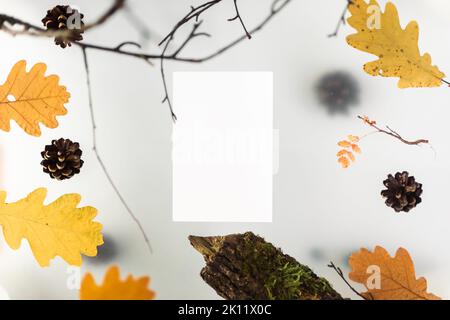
(283, 277)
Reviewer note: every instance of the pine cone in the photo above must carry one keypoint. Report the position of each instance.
(337, 91)
(62, 159)
(56, 19)
(403, 192)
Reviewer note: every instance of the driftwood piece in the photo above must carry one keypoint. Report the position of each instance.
(246, 267)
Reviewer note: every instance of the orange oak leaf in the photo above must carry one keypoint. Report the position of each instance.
(115, 289)
(387, 278)
(30, 98)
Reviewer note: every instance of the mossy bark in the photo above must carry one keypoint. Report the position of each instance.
(245, 267)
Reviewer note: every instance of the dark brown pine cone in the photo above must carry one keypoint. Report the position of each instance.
(403, 192)
(338, 91)
(60, 18)
(62, 159)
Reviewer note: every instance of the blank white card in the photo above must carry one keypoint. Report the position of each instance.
(223, 146)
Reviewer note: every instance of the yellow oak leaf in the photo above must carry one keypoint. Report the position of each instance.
(58, 229)
(115, 289)
(387, 278)
(381, 34)
(31, 98)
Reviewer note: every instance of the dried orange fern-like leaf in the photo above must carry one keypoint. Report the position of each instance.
(31, 98)
(346, 155)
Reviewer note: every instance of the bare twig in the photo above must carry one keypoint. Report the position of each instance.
(341, 274)
(116, 6)
(194, 14)
(392, 133)
(238, 16)
(163, 76)
(100, 161)
(341, 21)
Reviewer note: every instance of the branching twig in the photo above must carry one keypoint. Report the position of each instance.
(341, 274)
(341, 20)
(392, 133)
(194, 14)
(238, 16)
(100, 161)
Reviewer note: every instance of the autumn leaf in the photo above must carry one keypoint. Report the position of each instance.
(345, 163)
(344, 144)
(31, 98)
(58, 229)
(352, 138)
(351, 156)
(356, 148)
(341, 153)
(115, 289)
(397, 279)
(397, 48)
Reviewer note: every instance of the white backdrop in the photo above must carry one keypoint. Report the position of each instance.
(318, 207)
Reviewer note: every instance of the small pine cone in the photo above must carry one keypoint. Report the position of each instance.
(403, 192)
(57, 19)
(337, 91)
(62, 159)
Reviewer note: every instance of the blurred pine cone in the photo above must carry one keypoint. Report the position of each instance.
(403, 192)
(57, 19)
(62, 159)
(337, 91)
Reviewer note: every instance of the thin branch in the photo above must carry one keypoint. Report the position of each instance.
(163, 76)
(238, 16)
(341, 21)
(193, 14)
(341, 274)
(116, 6)
(276, 7)
(100, 161)
(392, 133)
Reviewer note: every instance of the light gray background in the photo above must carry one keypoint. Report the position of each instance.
(318, 207)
